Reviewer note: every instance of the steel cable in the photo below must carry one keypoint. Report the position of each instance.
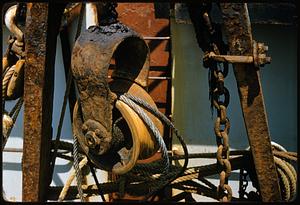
(128, 98)
(77, 169)
(72, 174)
(153, 129)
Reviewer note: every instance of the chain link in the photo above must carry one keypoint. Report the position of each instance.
(221, 129)
(243, 183)
(219, 96)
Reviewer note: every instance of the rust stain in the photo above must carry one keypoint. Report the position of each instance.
(238, 29)
(35, 41)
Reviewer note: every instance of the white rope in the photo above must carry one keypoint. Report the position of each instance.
(77, 168)
(69, 181)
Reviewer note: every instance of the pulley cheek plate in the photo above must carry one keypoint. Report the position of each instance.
(92, 54)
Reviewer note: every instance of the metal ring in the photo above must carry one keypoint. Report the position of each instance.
(216, 96)
(227, 167)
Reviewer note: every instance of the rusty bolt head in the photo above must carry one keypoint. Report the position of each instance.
(262, 48)
(84, 128)
(96, 137)
(90, 140)
(97, 132)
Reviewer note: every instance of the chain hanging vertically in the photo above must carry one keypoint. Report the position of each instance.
(221, 129)
(209, 38)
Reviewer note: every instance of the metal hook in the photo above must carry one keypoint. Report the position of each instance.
(11, 24)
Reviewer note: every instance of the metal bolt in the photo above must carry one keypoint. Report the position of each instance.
(90, 140)
(84, 128)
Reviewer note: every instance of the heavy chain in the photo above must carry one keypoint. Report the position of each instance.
(209, 38)
(243, 183)
(221, 129)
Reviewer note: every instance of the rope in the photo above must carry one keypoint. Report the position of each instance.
(16, 108)
(286, 172)
(77, 169)
(286, 191)
(96, 181)
(278, 146)
(5, 80)
(69, 181)
(289, 174)
(164, 179)
(61, 119)
(153, 129)
(285, 155)
(164, 119)
(141, 171)
(14, 113)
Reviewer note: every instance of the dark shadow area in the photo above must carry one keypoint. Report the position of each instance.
(131, 56)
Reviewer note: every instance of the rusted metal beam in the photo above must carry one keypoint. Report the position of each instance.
(40, 50)
(238, 30)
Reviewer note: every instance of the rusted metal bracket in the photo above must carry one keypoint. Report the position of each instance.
(40, 41)
(258, 58)
(238, 30)
(92, 54)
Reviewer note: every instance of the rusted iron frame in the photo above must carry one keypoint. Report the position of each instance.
(238, 30)
(41, 34)
(70, 15)
(204, 171)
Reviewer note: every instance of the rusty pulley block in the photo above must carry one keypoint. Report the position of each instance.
(110, 133)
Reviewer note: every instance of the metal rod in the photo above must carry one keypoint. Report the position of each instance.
(159, 78)
(156, 37)
(91, 15)
(11, 149)
(153, 77)
(209, 155)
